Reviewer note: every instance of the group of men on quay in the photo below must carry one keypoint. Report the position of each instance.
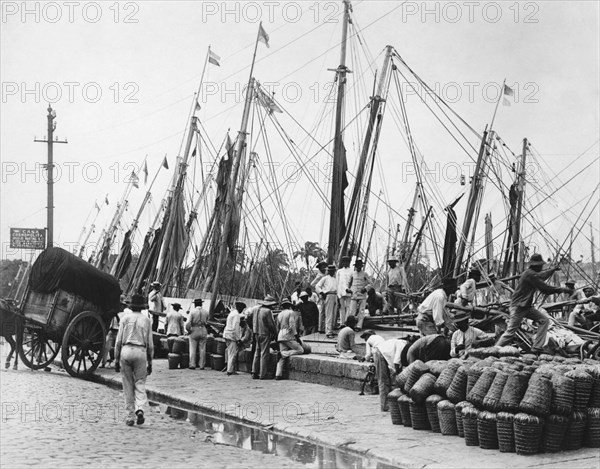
(335, 303)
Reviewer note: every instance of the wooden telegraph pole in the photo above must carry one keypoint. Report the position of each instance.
(50, 167)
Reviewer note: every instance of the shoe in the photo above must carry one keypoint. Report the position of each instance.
(191, 367)
(254, 376)
(101, 366)
(232, 373)
(201, 368)
(279, 378)
(140, 417)
(330, 336)
(129, 422)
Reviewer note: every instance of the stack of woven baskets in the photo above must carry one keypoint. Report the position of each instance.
(521, 404)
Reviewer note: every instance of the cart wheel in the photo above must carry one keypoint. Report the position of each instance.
(36, 349)
(83, 344)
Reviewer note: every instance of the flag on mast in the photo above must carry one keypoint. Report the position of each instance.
(145, 172)
(164, 163)
(507, 91)
(214, 58)
(197, 105)
(263, 36)
(106, 199)
(134, 180)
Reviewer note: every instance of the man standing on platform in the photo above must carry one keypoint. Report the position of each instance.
(264, 329)
(327, 290)
(289, 325)
(343, 278)
(309, 313)
(396, 283)
(156, 304)
(521, 303)
(357, 287)
(233, 336)
(196, 327)
(322, 267)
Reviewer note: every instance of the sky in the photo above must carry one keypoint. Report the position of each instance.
(121, 77)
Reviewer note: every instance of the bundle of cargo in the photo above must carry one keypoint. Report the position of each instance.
(523, 404)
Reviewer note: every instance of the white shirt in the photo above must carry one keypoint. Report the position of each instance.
(373, 342)
(465, 338)
(343, 278)
(467, 290)
(435, 304)
(397, 276)
(233, 330)
(392, 351)
(327, 284)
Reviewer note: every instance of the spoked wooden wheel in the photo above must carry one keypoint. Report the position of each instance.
(83, 344)
(36, 349)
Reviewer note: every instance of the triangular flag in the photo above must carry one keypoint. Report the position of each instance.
(262, 35)
(197, 105)
(165, 164)
(145, 172)
(134, 180)
(505, 102)
(508, 91)
(194, 152)
(214, 58)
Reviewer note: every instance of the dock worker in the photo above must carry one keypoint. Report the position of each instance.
(376, 304)
(174, 324)
(196, 328)
(371, 340)
(397, 283)
(346, 345)
(468, 289)
(134, 349)
(309, 313)
(156, 304)
(430, 347)
(585, 314)
(387, 356)
(233, 336)
(467, 336)
(327, 290)
(289, 324)
(343, 275)
(264, 330)
(357, 287)
(433, 316)
(521, 303)
(322, 268)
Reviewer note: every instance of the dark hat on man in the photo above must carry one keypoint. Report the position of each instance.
(331, 268)
(461, 316)
(570, 282)
(138, 302)
(268, 301)
(345, 258)
(359, 262)
(366, 334)
(240, 303)
(321, 264)
(449, 282)
(536, 259)
(286, 302)
(198, 301)
(474, 272)
(176, 306)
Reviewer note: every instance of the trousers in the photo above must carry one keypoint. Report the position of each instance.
(329, 305)
(197, 339)
(384, 379)
(260, 363)
(287, 349)
(357, 308)
(134, 372)
(394, 299)
(232, 351)
(514, 322)
(344, 308)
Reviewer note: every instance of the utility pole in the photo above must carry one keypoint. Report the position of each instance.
(50, 167)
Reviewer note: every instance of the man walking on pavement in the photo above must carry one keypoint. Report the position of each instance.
(264, 329)
(327, 290)
(396, 283)
(174, 324)
(196, 327)
(357, 287)
(134, 349)
(521, 303)
(156, 304)
(289, 324)
(343, 278)
(233, 336)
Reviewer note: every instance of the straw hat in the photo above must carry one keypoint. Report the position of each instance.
(268, 301)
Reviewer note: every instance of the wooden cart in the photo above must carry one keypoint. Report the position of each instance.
(68, 304)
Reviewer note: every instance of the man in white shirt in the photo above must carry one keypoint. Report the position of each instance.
(357, 286)
(174, 324)
(432, 312)
(322, 267)
(396, 283)
(468, 289)
(343, 278)
(387, 356)
(466, 336)
(156, 304)
(327, 290)
(233, 336)
(371, 341)
(289, 325)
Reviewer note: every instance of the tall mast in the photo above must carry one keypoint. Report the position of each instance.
(594, 273)
(474, 194)
(518, 255)
(409, 224)
(335, 217)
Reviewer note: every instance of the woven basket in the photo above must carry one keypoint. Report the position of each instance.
(583, 388)
(554, 433)
(472, 376)
(513, 392)
(415, 370)
(482, 386)
(486, 430)
(592, 429)
(437, 366)
(563, 394)
(445, 379)
(418, 416)
(558, 359)
(431, 404)
(458, 388)
(595, 394)
(402, 377)
(572, 361)
(508, 351)
(538, 397)
(447, 418)
(422, 388)
(505, 431)
(458, 408)
(491, 401)
(404, 408)
(469, 422)
(575, 431)
(528, 433)
(545, 357)
(392, 401)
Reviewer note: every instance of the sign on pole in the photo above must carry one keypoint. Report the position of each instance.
(27, 238)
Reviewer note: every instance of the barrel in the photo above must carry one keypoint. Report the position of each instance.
(185, 360)
(174, 360)
(218, 361)
(219, 346)
(170, 341)
(179, 345)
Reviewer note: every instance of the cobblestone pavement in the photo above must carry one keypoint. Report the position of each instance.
(50, 420)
